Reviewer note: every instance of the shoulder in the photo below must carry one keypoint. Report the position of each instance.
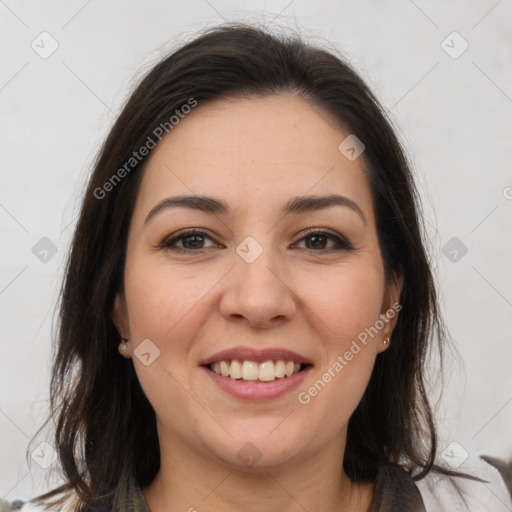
(31, 506)
(456, 494)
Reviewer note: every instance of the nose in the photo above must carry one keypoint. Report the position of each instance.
(258, 293)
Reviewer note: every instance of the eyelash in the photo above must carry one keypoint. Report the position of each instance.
(341, 243)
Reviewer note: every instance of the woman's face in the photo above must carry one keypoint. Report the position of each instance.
(258, 285)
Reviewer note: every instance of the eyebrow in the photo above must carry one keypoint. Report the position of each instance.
(295, 205)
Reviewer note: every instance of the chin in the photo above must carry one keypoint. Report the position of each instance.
(258, 450)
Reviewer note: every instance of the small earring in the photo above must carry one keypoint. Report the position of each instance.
(123, 345)
(386, 341)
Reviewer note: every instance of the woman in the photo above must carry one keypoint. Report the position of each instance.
(248, 304)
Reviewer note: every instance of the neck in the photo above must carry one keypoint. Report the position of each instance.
(191, 482)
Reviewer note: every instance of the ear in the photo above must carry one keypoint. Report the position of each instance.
(390, 308)
(120, 319)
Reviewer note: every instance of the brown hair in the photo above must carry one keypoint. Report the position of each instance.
(104, 424)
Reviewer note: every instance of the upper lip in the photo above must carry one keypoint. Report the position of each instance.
(256, 355)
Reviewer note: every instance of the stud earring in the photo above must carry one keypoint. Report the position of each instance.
(123, 345)
(386, 341)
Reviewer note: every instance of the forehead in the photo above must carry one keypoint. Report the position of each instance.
(254, 151)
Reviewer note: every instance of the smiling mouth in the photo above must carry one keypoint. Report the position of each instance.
(267, 371)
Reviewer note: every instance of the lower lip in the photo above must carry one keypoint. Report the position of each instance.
(255, 390)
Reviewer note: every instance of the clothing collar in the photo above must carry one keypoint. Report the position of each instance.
(395, 491)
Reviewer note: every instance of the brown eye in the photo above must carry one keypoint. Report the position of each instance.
(191, 240)
(319, 241)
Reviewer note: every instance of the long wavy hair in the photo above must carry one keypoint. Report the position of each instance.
(104, 425)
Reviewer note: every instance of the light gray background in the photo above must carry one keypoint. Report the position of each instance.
(454, 115)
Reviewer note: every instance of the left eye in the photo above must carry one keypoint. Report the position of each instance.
(320, 239)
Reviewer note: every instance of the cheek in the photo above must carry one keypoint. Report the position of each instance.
(359, 304)
(166, 305)
(344, 310)
(344, 303)
(161, 297)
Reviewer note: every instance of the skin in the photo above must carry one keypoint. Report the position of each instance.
(255, 154)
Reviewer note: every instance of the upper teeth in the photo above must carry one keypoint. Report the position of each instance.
(251, 370)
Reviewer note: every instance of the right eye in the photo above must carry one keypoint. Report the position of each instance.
(191, 240)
